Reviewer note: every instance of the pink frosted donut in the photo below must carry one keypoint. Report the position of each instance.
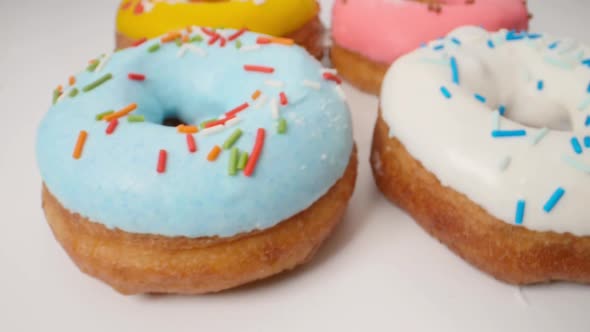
(380, 31)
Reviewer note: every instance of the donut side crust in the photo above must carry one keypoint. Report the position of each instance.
(138, 263)
(309, 36)
(510, 253)
(359, 71)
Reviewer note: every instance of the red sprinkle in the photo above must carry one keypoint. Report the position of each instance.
(237, 34)
(237, 110)
(251, 165)
(190, 141)
(136, 77)
(139, 42)
(284, 100)
(214, 39)
(332, 77)
(126, 5)
(162, 161)
(219, 122)
(208, 32)
(263, 40)
(260, 69)
(222, 42)
(138, 8)
(112, 126)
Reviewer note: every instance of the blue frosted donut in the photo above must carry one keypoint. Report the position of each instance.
(265, 132)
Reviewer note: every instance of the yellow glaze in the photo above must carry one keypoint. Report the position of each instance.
(273, 17)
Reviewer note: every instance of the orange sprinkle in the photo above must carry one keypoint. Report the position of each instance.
(72, 80)
(187, 129)
(189, 29)
(60, 88)
(80, 144)
(121, 113)
(170, 37)
(185, 39)
(214, 153)
(283, 41)
(256, 94)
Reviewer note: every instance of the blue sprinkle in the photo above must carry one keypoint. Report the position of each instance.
(512, 35)
(586, 62)
(455, 70)
(535, 36)
(480, 97)
(438, 47)
(445, 92)
(588, 88)
(576, 145)
(587, 141)
(588, 121)
(502, 110)
(540, 85)
(554, 199)
(553, 45)
(491, 44)
(456, 41)
(508, 133)
(520, 205)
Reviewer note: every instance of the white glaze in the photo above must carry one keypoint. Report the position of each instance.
(452, 137)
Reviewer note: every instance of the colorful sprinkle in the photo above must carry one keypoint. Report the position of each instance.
(480, 98)
(242, 161)
(554, 199)
(154, 48)
(162, 157)
(214, 153)
(539, 136)
(574, 163)
(196, 39)
(587, 141)
(100, 116)
(184, 129)
(191, 144)
(139, 42)
(455, 70)
(256, 94)
(586, 62)
(121, 113)
(112, 126)
(232, 168)
(502, 110)
(56, 94)
(97, 83)
(311, 84)
(237, 34)
(232, 139)
(282, 126)
(237, 110)
(331, 77)
(72, 80)
(520, 207)
(576, 145)
(136, 77)
(135, 118)
(259, 69)
(540, 85)
(283, 98)
(553, 45)
(92, 66)
(491, 44)
(456, 41)
(445, 92)
(73, 93)
(79, 148)
(508, 133)
(587, 123)
(256, 151)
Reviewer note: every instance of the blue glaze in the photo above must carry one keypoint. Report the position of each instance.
(115, 182)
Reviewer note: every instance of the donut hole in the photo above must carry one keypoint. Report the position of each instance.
(173, 121)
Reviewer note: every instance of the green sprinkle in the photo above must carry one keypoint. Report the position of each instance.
(135, 118)
(178, 42)
(282, 127)
(154, 48)
(238, 44)
(97, 83)
(56, 95)
(206, 122)
(92, 66)
(232, 139)
(233, 161)
(100, 116)
(197, 39)
(73, 93)
(243, 160)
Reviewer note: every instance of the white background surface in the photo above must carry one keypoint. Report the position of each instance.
(379, 272)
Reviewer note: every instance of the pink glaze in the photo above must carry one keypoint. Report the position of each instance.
(383, 30)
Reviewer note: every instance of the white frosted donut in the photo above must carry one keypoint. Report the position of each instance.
(529, 166)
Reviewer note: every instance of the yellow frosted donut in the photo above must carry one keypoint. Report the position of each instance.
(297, 19)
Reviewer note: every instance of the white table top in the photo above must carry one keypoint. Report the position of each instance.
(379, 271)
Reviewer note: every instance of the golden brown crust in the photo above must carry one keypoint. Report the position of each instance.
(308, 36)
(134, 263)
(510, 253)
(359, 71)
